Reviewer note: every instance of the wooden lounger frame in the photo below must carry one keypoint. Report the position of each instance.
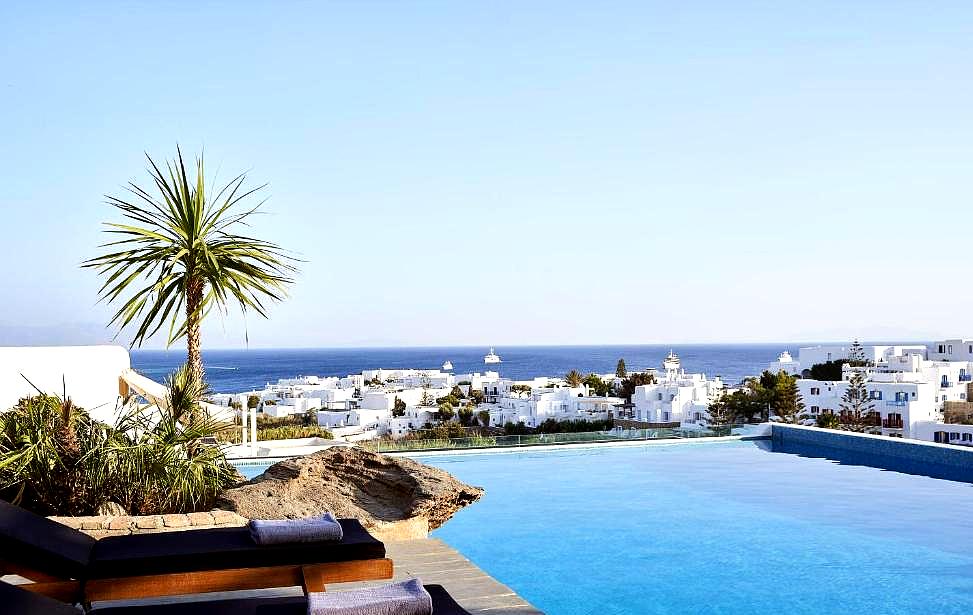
(311, 577)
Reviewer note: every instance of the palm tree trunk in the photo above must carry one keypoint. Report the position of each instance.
(194, 297)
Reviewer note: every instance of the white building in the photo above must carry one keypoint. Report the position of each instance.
(945, 433)
(411, 378)
(677, 397)
(952, 350)
(415, 418)
(809, 356)
(905, 390)
(561, 403)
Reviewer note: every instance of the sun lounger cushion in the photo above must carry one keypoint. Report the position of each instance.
(36, 542)
(220, 548)
(22, 602)
(442, 602)
(283, 531)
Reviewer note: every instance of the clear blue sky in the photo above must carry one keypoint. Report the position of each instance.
(500, 173)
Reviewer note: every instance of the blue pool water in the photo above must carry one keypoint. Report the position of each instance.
(721, 528)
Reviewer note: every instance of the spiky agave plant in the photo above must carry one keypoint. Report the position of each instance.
(178, 256)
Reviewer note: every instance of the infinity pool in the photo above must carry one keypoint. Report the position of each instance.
(714, 528)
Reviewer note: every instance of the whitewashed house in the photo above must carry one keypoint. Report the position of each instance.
(560, 403)
(677, 397)
(809, 356)
(905, 390)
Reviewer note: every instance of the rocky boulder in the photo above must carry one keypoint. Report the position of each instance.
(394, 497)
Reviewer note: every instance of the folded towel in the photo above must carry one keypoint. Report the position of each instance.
(283, 531)
(405, 598)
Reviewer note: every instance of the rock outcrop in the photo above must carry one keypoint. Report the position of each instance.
(394, 497)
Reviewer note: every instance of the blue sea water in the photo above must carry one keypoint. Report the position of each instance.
(728, 528)
(231, 371)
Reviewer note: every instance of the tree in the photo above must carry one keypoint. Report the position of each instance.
(856, 406)
(484, 417)
(829, 371)
(573, 378)
(252, 401)
(426, 399)
(445, 412)
(633, 380)
(788, 404)
(465, 415)
(719, 412)
(476, 397)
(179, 241)
(596, 385)
(740, 406)
(856, 354)
(620, 370)
(457, 392)
(398, 407)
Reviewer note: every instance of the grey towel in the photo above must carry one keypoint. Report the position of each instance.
(283, 531)
(405, 598)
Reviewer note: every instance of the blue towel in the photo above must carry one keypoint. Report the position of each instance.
(405, 598)
(283, 531)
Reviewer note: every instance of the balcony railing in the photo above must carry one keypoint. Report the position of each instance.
(966, 377)
(946, 384)
(892, 423)
(897, 402)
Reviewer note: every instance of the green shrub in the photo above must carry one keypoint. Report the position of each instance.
(56, 460)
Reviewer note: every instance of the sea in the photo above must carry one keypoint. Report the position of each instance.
(235, 371)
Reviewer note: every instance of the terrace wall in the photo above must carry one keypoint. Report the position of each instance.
(896, 454)
(106, 525)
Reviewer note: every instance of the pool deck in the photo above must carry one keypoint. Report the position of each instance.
(430, 559)
(434, 561)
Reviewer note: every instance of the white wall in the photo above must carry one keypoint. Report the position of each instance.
(91, 374)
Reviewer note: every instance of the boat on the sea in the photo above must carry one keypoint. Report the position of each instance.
(447, 366)
(492, 357)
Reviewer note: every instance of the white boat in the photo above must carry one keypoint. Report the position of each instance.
(447, 366)
(492, 357)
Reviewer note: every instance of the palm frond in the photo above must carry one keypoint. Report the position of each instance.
(174, 237)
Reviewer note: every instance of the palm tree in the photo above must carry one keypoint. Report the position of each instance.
(574, 378)
(178, 245)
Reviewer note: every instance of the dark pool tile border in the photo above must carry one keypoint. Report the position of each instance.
(896, 454)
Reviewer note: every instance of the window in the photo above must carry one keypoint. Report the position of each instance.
(876, 394)
(942, 348)
(954, 435)
(815, 390)
(968, 437)
(815, 409)
(665, 417)
(950, 350)
(660, 396)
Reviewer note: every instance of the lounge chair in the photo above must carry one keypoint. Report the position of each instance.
(71, 566)
(14, 599)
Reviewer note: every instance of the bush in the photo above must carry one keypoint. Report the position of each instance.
(56, 460)
(828, 420)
